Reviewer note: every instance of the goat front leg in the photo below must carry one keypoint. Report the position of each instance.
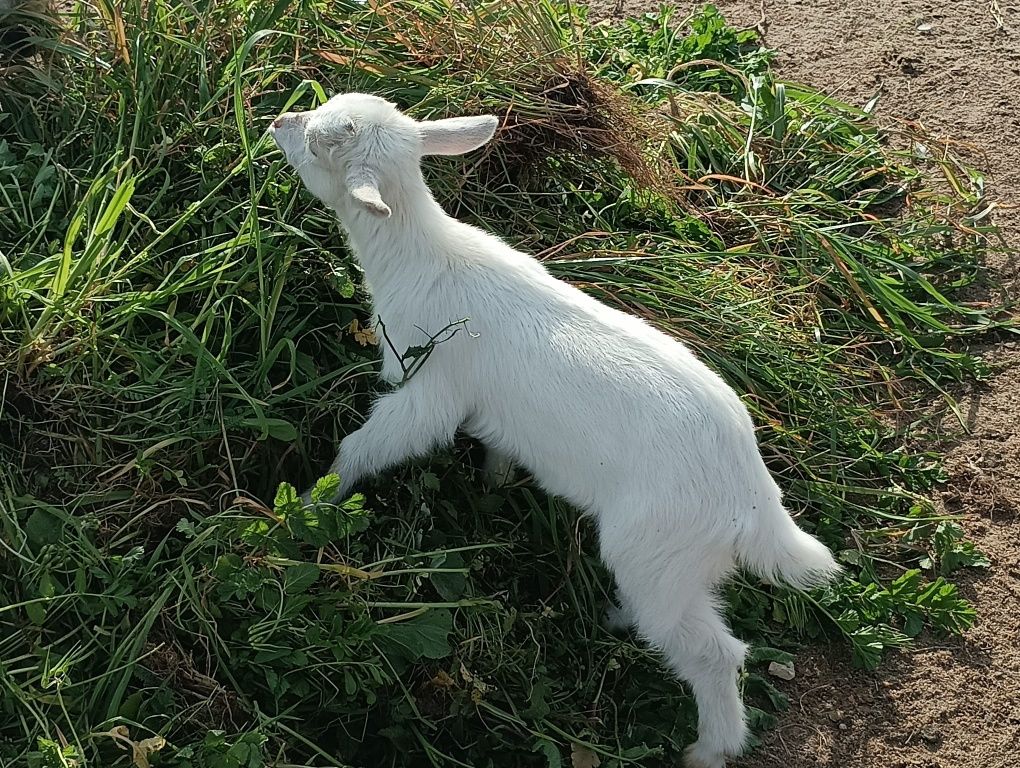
(407, 423)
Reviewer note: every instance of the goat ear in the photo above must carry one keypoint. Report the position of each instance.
(457, 135)
(364, 188)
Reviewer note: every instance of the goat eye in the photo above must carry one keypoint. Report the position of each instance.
(317, 146)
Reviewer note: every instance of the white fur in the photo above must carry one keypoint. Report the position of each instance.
(600, 408)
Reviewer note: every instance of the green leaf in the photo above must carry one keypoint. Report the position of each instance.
(280, 429)
(423, 637)
(759, 687)
(538, 705)
(450, 586)
(43, 527)
(953, 551)
(350, 683)
(36, 612)
(245, 752)
(48, 586)
(115, 207)
(287, 500)
(401, 737)
(326, 488)
(298, 578)
(51, 755)
(760, 720)
(129, 709)
(913, 625)
(551, 751)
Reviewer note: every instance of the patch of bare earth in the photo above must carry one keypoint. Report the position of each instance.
(953, 67)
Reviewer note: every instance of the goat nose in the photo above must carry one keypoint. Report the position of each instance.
(297, 117)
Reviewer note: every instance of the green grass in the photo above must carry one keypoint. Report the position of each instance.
(177, 341)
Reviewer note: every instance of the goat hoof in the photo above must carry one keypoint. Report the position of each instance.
(700, 755)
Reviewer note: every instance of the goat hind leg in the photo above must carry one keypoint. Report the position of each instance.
(678, 615)
(709, 658)
(498, 467)
(619, 616)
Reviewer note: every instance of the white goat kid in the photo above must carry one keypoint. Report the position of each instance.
(601, 408)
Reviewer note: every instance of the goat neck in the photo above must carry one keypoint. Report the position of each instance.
(413, 238)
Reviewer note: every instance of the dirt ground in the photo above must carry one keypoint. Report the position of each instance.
(954, 67)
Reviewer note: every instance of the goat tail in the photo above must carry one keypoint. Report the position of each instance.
(775, 548)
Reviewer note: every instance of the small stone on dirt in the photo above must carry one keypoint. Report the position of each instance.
(782, 671)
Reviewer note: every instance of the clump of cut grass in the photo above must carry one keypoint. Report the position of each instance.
(183, 342)
(550, 104)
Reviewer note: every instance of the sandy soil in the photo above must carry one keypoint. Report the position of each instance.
(954, 67)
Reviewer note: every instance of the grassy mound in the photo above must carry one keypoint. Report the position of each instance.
(183, 341)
